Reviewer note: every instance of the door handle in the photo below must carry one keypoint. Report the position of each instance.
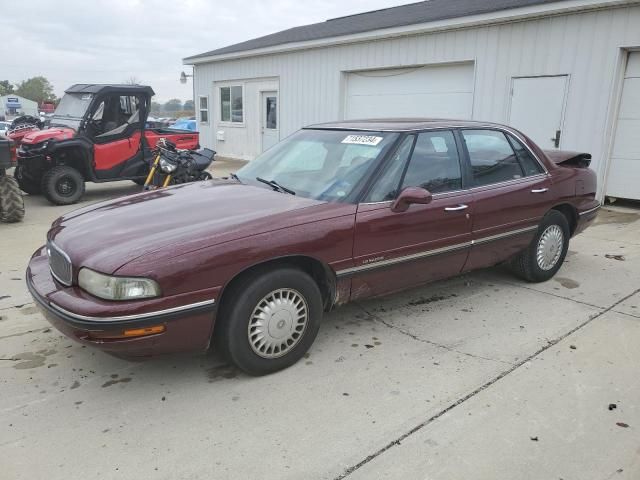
(556, 139)
(456, 209)
(539, 190)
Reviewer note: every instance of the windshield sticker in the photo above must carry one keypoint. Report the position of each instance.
(362, 140)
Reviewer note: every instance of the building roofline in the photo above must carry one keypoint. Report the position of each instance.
(501, 16)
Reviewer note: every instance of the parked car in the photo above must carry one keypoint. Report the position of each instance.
(97, 134)
(4, 128)
(184, 124)
(336, 212)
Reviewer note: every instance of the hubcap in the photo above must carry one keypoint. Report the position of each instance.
(550, 247)
(277, 323)
(65, 186)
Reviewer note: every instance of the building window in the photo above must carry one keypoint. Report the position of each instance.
(231, 108)
(203, 108)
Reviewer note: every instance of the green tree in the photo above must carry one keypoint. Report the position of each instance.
(173, 105)
(37, 89)
(188, 105)
(5, 88)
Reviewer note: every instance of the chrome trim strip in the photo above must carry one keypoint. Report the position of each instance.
(139, 316)
(500, 236)
(406, 258)
(591, 210)
(430, 253)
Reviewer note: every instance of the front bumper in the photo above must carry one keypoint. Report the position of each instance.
(187, 327)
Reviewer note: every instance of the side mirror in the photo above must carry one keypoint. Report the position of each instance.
(409, 196)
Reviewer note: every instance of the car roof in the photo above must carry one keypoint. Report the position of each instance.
(107, 88)
(401, 124)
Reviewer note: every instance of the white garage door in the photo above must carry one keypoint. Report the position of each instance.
(444, 91)
(624, 170)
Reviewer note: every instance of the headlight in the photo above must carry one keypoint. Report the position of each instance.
(166, 166)
(117, 288)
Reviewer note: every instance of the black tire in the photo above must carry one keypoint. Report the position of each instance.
(27, 185)
(238, 305)
(63, 185)
(11, 203)
(526, 264)
(205, 176)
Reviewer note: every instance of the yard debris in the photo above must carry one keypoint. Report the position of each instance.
(534, 439)
(612, 406)
(615, 257)
(622, 424)
(572, 347)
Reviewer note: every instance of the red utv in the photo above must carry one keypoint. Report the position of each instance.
(98, 133)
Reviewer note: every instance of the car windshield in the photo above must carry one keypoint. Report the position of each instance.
(320, 164)
(73, 105)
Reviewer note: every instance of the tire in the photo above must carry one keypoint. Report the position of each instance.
(32, 187)
(63, 185)
(289, 287)
(11, 203)
(528, 266)
(205, 176)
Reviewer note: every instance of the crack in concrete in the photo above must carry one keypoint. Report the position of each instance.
(423, 340)
(348, 471)
(19, 305)
(24, 333)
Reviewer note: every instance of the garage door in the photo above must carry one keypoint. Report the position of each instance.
(430, 91)
(624, 169)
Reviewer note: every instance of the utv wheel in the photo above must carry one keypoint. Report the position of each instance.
(205, 176)
(32, 187)
(544, 256)
(269, 320)
(11, 203)
(63, 185)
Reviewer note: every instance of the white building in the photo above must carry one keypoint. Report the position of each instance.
(567, 73)
(13, 105)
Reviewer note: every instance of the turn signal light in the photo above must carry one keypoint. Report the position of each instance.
(141, 332)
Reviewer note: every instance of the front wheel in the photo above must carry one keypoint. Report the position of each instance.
(205, 176)
(63, 185)
(11, 203)
(269, 320)
(545, 254)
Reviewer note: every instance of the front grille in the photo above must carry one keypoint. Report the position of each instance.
(60, 264)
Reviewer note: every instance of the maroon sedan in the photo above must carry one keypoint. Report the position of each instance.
(336, 212)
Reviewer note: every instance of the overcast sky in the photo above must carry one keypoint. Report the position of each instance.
(109, 41)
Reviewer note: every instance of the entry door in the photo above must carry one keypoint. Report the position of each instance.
(537, 108)
(624, 170)
(270, 122)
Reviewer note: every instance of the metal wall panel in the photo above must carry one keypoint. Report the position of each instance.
(585, 46)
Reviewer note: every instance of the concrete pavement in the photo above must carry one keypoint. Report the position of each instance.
(482, 376)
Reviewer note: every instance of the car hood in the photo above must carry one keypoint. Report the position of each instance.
(176, 220)
(56, 133)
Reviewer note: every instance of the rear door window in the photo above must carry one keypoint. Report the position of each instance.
(491, 156)
(529, 164)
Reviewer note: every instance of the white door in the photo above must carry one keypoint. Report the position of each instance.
(624, 169)
(537, 108)
(270, 121)
(440, 91)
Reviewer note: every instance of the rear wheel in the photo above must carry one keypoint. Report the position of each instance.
(269, 320)
(205, 176)
(27, 185)
(11, 203)
(545, 254)
(63, 185)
